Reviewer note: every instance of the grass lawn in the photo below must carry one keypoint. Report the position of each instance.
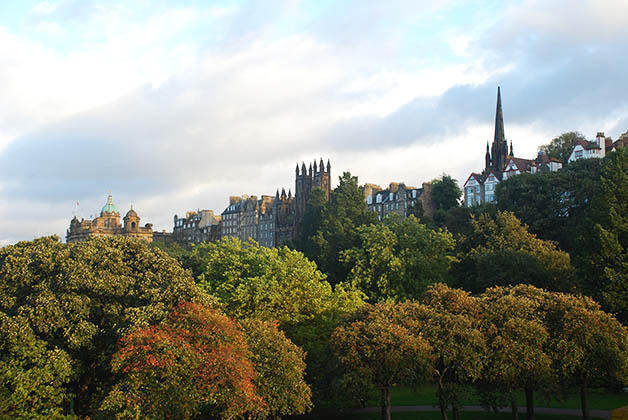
(599, 399)
(435, 415)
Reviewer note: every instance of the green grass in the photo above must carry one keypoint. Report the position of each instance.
(435, 415)
(599, 399)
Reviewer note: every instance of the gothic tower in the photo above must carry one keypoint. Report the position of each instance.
(318, 176)
(499, 148)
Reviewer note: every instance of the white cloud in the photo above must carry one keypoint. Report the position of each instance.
(172, 122)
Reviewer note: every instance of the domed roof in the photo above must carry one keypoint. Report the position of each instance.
(131, 213)
(109, 207)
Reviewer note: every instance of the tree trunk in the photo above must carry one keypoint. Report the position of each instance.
(529, 402)
(514, 408)
(386, 403)
(454, 412)
(584, 398)
(441, 399)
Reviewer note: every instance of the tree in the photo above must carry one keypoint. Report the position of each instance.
(278, 284)
(612, 230)
(458, 346)
(559, 206)
(445, 196)
(33, 378)
(195, 360)
(501, 251)
(398, 260)
(280, 368)
(311, 223)
(381, 345)
(517, 343)
(560, 147)
(587, 344)
(74, 302)
(341, 217)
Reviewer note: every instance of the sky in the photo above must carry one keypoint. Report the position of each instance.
(177, 105)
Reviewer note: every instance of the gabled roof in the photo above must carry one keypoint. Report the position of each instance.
(523, 165)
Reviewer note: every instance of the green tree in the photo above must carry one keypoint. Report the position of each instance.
(501, 251)
(559, 206)
(560, 147)
(445, 196)
(398, 260)
(612, 230)
(311, 223)
(383, 346)
(34, 378)
(280, 368)
(74, 302)
(195, 360)
(278, 284)
(517, 343)
(341, 217)
(458, 345)
(587, 344)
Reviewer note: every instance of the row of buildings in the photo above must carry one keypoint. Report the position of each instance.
(500, 162)
(274, 220)
(269, 220)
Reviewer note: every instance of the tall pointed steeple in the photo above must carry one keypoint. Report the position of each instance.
(499, 148)
(499, 120)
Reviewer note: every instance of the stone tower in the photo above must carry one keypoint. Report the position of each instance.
(318, 176)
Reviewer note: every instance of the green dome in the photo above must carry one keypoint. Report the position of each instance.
(109, 207)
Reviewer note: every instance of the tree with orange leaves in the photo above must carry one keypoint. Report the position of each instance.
(196, 360)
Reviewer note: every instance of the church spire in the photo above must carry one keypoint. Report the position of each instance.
(499, 120)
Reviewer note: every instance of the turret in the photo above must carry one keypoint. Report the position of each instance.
(328, 166)
(297, 170)
(487, 157)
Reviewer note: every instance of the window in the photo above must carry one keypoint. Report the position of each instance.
(578, 153)
(379, 198)
(413, 193)
(369, 199)
(391, 196)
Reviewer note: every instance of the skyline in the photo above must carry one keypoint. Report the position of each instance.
(176, 108)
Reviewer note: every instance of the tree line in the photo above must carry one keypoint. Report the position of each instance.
(499, 298)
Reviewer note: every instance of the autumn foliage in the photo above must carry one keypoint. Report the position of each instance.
(196, 360)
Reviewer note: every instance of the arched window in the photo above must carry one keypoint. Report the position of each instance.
(133, 225)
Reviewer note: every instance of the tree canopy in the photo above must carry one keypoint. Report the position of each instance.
(71, 304)
(501, 251)
(399, 259)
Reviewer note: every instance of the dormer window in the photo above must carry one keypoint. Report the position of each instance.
(391, 196)
(379, 198)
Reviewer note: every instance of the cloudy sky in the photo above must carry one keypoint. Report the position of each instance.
(175, 105)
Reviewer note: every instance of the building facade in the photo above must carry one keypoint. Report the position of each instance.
(500, 163)
(196, 227)
(274, 221)
(398, 199)
(108, 224)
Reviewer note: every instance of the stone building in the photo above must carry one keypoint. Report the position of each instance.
(273, 221)
(398, 199)
(196, 226)
(320, 177)
(108, 224)
(500, 163)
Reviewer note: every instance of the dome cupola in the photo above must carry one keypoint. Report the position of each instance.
(109, 207)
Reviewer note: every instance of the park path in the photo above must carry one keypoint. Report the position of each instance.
(600, 414)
